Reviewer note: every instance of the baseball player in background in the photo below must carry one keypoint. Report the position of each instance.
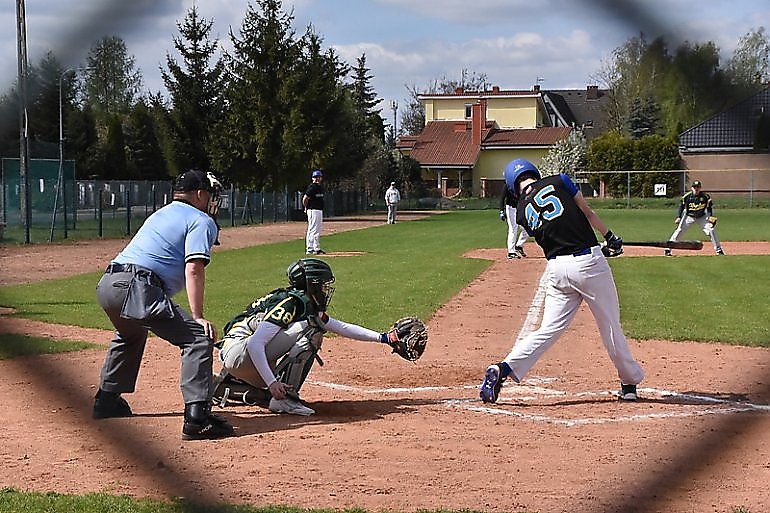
(313, 202)
(268, 349)
(696, 207)
(517, 235)
(392, 197)
(168, 253)
(555, 213)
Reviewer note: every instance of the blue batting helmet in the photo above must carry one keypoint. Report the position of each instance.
(317, 173)
(515, 171)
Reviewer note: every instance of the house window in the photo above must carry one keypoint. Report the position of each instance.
(468, 110)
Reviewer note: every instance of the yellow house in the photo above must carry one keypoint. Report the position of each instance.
(469, 137)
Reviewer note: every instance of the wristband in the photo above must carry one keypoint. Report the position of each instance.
(384, 338)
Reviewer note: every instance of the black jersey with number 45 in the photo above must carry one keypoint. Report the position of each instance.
(549, 213)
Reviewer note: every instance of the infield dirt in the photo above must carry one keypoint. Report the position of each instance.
(390, 435)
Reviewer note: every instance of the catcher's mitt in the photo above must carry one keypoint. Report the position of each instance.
(408, 338)
(712, 220)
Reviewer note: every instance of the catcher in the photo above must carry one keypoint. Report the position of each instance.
(268, 349)
(696, 207)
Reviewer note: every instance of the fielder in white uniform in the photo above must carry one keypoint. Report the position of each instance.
(517, 235)
(554, 211)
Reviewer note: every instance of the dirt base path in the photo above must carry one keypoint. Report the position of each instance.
(390, 435)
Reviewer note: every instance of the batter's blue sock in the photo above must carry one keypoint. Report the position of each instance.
(505, 369)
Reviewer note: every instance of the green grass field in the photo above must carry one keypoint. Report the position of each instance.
(414, 268)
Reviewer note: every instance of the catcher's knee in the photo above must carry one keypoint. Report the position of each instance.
(294, 368)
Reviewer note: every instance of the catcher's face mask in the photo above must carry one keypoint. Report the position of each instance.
(215, 194)
(322, 293)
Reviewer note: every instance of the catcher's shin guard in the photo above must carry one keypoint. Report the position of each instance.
(230, 390)
(295, 366)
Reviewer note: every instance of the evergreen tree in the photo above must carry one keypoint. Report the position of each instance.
(195, 88)
(249, 141)
(366, 99)
(145, 158)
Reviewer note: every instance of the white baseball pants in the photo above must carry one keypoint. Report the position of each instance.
(572, 280)
(315, 222)
(517, 235)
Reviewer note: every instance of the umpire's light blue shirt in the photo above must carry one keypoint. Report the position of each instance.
(168, 239)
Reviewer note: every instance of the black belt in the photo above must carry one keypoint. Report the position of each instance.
(153, 278)
(581, 252)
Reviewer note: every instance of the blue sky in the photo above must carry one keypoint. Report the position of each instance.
(406, 42)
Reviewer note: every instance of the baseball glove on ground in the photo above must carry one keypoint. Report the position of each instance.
(408, 338)
(712, 220)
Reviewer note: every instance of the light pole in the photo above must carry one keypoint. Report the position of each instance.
(60, 182)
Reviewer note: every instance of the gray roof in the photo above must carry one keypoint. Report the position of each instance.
(730, 130)
(587, 106)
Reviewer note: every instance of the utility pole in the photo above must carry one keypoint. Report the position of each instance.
(25, 205)
(394, 106)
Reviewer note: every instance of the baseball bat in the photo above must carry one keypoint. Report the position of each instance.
(672, 244)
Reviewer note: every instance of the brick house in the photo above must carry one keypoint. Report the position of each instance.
(470, 136)
(731, 140)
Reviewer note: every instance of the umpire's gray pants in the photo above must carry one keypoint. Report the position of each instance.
(124, 356)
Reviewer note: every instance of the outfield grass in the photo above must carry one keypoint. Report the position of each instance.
(415, 267)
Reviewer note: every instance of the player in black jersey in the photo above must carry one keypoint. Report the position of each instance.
(554, 212)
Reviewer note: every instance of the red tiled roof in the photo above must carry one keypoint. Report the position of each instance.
(446, 143)
(450, 143)
(545, 136)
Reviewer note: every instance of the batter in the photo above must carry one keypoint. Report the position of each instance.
(554, 212)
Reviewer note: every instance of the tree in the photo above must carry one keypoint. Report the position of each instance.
(196, 90)
(249, 147)
(567, 155)
(748, 68)
(643, 117)
(113, 83)
(366, 99)
(144, 155)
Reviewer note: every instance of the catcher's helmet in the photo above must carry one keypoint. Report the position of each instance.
(315, 277)
(515, 171)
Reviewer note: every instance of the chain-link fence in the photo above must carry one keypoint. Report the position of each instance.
(740, 188)
(94, 208)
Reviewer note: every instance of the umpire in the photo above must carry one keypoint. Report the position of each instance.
(168, 253)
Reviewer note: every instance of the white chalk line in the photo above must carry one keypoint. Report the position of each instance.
(531, 393)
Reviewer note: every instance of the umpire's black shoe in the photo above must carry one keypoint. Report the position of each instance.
(201, 424)
(110, 404)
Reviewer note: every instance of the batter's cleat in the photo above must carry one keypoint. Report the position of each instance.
(627, 393)
(291, 406)
(520, 251)
(490, 388)
(667, 252)
(109, 405)
(720, 252)
(513, 256)
(201, 424)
